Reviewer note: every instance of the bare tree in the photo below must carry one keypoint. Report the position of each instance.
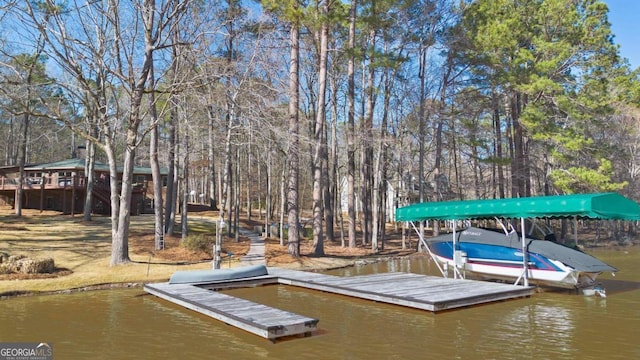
(75, 38)
(294, 165)
(351, 132)
(319, 182)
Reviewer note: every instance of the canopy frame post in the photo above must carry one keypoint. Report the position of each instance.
(426, 246)
(525, 257)
(575, 229)
(456, 270)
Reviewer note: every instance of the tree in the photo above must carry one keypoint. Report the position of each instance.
(351, 128)
(291, 12)
(293, 242)
(319, 182)
(76, 39)
(544, 56)
(26, 82)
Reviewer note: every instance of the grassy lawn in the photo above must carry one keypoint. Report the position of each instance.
(82, 250)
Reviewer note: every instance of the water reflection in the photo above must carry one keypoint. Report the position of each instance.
(417, 265)
(546, 328)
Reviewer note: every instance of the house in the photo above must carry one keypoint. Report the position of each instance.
(392, 200)
(62, 186)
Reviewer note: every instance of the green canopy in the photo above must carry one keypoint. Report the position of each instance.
(594, 206)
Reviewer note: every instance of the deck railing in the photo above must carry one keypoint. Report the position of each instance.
(44, 182)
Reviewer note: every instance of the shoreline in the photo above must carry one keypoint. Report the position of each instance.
(133, 284)
(318, 267)
(84, 250)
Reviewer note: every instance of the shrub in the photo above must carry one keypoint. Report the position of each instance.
(307, 233)
(22, 264)
(15, 258)
(5, 268)
(36, 266)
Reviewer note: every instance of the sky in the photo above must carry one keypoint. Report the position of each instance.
(623, 16)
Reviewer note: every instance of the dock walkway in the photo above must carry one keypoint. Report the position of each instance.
(405, 289)
(259, 319)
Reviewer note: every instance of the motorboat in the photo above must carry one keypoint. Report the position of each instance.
(493, 254)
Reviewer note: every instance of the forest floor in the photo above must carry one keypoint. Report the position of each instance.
(81, 251)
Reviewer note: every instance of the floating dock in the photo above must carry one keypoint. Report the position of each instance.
(261, 320)
(416, 291)
(432, 293)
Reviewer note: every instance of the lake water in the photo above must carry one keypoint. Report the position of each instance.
(129, 324)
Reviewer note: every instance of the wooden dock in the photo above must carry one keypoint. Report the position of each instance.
(416, 291)
(261, 320)
(405, 289)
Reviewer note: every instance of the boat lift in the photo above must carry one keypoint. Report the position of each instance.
(460, 257)
(604, 206)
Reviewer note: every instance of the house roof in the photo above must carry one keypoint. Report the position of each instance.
(79, 164)
(593, 206)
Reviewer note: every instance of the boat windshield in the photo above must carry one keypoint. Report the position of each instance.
(537, 229)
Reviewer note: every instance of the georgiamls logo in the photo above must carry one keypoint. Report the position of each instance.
(25, 351)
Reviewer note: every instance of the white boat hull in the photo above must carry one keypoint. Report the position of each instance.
(567, 278)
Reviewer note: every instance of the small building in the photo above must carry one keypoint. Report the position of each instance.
(62, 186)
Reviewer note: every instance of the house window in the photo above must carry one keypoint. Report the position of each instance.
(64, 178)
(140, 179)
(34, 178)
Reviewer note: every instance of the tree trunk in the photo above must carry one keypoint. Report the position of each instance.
(155, 169)
(375, 201)
(283, 202)
(120, 241)
(268, 198)
(319, 182)
(293, 242)
(380, 186)
(236, 197)
(184, 213)
(90, 161)
(213, 204)
(172, 184)
(334, 196)
(499, 152)
(421, 136)
(351, 134)
(21, 160)
(367, 147)
(229, 186)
